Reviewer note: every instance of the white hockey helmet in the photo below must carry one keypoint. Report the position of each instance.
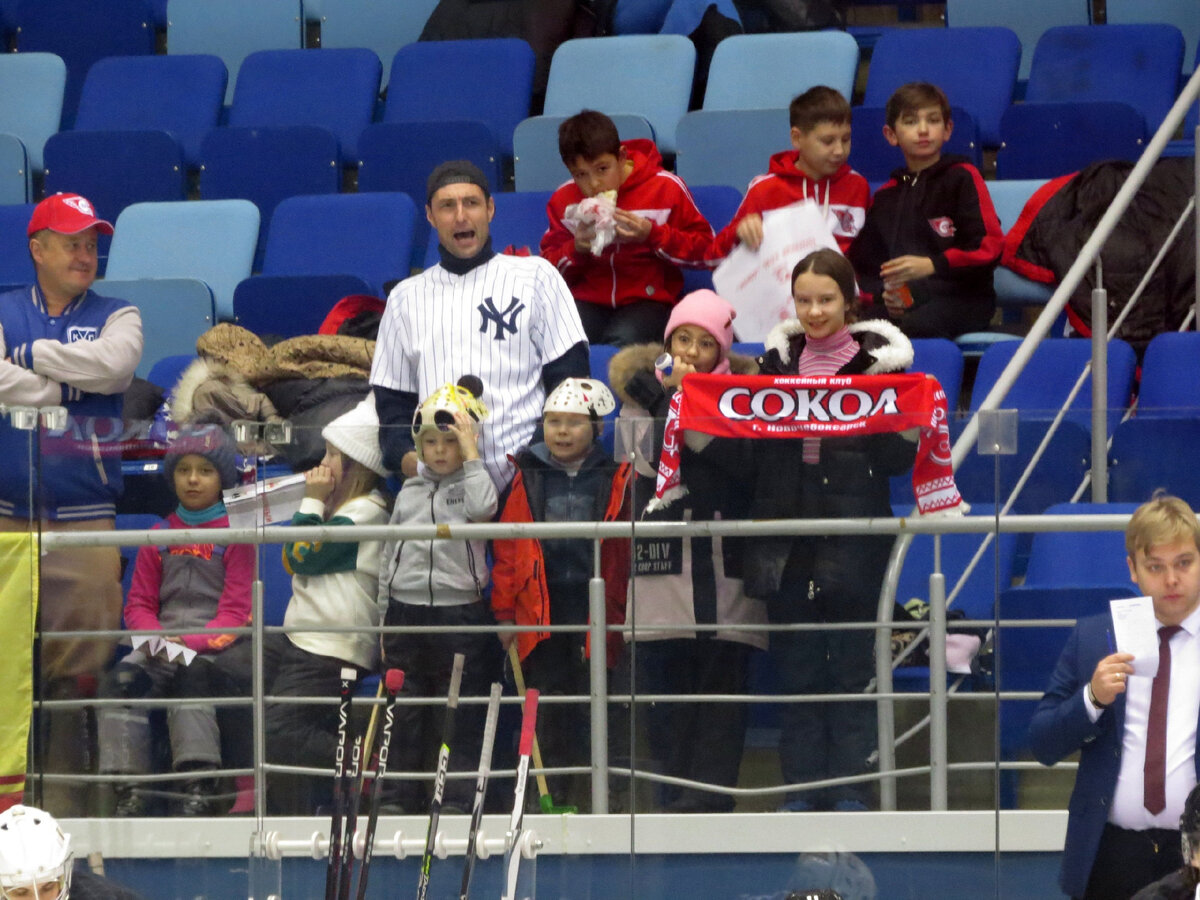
(33, 851)
(585, 396)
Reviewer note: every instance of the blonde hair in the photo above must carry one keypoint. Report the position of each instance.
(1162, 519)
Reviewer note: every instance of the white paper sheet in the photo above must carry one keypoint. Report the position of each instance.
(1135, 630)
(273, 502)
(151, 645)
(758, 282)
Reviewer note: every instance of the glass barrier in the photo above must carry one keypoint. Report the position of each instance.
(742, 734)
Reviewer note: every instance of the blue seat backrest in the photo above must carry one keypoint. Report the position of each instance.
(291, 305)
(977, 68)
(1046, 140)
(1170, 383)
(15, 182)
(31, 101)
(166, 370)
(180, 94)
(83, 32)
(15, 267)
(233, 29)
(277, 583)
(1051, 372)
(175, 312)
(489, 80)
(797, 61)
(335, 90)
(1027, 18)
(608, 74)
(1183, 14)
(381, 25)
(210, 240)
(1079, 558)
(365, 234)
(1140, 460)
(729, 146)
(942, 359)
(1135, 64)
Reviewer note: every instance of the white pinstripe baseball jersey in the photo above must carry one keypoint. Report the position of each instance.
(502, 321)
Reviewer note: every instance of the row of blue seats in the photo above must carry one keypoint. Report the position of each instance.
(304, 88)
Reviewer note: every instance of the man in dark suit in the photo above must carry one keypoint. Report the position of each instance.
(1136, 737)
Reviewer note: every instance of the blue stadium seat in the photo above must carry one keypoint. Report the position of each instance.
(875, 159)
(1183, 14)
(942, 359)
(1045, 140)
(15, 266)
(488, 80)
(209, 240)
(600, 355)
(520, 221)
(335, 90)
(31, 99)
(166, 370)
(1143, 457)
(796, 60)
(233, 29)
(537, 165)
(991, 479)
(1009, 198)
(368, 235)
(976, 67)
(729, 146)
(287, 306)
(717, 203)
(181, 95)
(1170, 385)
(14, 171)
(82, 32)
(1135, 64)
(398, 156)
(382, 25)
(175, 312)
(608, 74)
(267, 165)
(1050, 374)
(114, 169)
(1027, 18)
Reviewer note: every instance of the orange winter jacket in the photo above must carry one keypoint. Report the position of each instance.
(519, 590)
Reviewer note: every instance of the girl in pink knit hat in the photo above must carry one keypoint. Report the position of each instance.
(676, 586)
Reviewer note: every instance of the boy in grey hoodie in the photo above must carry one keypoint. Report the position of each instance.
(440, 583)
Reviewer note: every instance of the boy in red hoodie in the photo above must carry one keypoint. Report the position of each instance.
(626, 292)
(814, 169)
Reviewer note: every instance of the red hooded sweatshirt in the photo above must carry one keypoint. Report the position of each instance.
(846, 195)
(624, 273)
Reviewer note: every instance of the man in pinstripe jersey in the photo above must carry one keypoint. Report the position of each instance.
(510, 320)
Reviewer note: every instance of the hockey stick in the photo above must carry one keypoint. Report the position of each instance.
(545, 801)
(354, 794)
(512, 858)
(394, 681)
(439, 781)
(485, 768)
(334, 865)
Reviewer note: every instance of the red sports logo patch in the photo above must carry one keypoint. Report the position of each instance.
(943, 225)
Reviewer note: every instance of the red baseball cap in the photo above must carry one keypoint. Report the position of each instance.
(66, 214)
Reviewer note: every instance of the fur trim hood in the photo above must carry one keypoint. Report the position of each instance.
(888, 347)
(634, 358)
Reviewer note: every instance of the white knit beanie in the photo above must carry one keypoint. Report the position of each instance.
(356, 434)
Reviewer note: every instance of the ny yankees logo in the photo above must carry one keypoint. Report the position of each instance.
(505, 319)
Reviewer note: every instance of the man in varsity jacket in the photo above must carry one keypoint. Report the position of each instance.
(509, 320)
(64, 345)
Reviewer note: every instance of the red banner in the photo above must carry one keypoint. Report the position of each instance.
(789, 406)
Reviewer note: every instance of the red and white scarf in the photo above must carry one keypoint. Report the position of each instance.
(790, 406)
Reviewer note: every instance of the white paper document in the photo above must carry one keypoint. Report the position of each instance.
(1135, 630)
(269, 502)
(173, 651)
(758, 283)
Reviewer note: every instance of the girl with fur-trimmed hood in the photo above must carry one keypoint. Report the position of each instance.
(830, 578)
(688, 581)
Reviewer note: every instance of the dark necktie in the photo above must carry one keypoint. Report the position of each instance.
(1155, 772)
